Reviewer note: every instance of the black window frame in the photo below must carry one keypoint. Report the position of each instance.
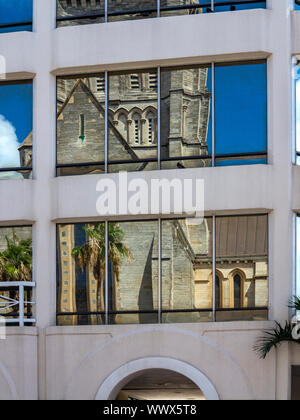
(159, 159)
(214, 309)
(208, 6)
(18, 168)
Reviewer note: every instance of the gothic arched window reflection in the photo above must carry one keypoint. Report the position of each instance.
(237, 290)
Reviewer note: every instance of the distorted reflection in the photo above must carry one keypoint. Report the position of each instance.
(186, 117)
(15, 266)
(132, 130)
(186, 261)
(242, 267)
(68, 9)
(80, 124)
(15, 130)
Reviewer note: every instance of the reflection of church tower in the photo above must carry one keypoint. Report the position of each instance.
(25, 152)
(185, 107)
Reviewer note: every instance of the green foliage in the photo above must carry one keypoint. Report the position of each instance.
(16, 259)
(295, 303)
(92, 252)
(273, 338)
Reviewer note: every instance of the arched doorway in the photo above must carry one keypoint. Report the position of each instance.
(177, 380)
(160, 384)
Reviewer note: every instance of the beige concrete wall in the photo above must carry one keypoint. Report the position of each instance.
(18, 364)
(73, 361)
(80, 358)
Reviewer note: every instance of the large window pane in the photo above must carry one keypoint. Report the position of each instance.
(134, 9)
(80, 125)
(186, 117)
(182, 7)
(236, 6)
(81, 273)
(15, 12)
(15, 130)
(132, 127)
(15, 266)
(241, 113)
(242, 267)
(297, 6)
(187, 270)
(133, 272)
(66, 9)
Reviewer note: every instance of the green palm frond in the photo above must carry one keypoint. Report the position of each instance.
(272, 339)
(294, 303)
(16, 259)
(92, 252)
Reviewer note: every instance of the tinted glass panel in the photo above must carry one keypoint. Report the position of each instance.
(297, 6)
(186, 115)
(242, 266)
(235, 6)
(81, 273)
(66, 9)
(15, 265)
(133, 9)
(182, 7)
(132, 126)
(240, 110)
(15, 130)
(80, 124)
(187, 270)
(133, 271)
(15, 11)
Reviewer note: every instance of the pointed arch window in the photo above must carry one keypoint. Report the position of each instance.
(122, 123)
(218, 292)
(237, 290)
(151, 128)
(137, 128)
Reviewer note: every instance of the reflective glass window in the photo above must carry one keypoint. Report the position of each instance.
(15, 130)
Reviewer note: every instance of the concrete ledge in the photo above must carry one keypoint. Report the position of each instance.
(135, 43)
(231, 189)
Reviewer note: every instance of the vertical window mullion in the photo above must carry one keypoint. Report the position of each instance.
(212, 2)
(106, 123)
(158, 8)
(214, 266)
(213, 114)
(105, 11)
(158, 118)
(106, 272)
(159, 273)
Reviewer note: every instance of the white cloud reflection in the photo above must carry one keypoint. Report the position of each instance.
(9, 154)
